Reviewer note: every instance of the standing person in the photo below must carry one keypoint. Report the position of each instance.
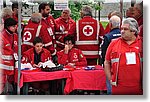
(15, 11)
(117, 13)
(5, 13)
(35, 29)
(65, 22)
(114, 24)
(9, 48)
(130, 12)
(123, 64)
(69, 55)
(49, 23)
(88, 35)
(114, 33)
(138, 15)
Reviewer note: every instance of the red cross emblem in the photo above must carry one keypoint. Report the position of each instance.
(27, 36)
(88, 30)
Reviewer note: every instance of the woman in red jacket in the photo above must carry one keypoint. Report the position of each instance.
(36, 56)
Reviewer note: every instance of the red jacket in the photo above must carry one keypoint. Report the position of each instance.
(88, 36)
(33, 30)
(50, 25)
(107, 29)
(140, 23)
(74, 56)
(140, 20)
(15, 17)
(59, 35)
(9, 46)
(28, 56)
(125, 72)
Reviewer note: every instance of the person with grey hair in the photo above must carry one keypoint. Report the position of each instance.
(114, 13)
(86, 11)
(4, 14)
(123, 61)
(36, 17)
(114, 24)
(65, 23)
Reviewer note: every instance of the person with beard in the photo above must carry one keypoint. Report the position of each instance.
(9, 48)
(49, 23)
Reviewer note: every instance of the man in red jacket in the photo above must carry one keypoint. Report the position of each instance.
(15, 10)
(69, 55)
(35, 29)
(49, 23)
(138, 15)
(123, 61)
(65, 22)
(88, 35)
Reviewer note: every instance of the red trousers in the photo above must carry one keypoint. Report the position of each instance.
(125, 90)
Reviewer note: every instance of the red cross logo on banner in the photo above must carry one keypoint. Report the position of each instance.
(27, 36)
(87, 30)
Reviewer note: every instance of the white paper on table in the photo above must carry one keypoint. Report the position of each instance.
(25, 65)
(49, 64)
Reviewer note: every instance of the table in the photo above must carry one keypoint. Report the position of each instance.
(32, 76)
(77, 79)
(86, 80)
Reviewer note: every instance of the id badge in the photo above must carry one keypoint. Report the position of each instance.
(130, 58)
(16, 56)
(50, 31)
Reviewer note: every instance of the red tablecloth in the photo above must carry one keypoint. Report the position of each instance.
(77, 79)
(86, 80)
(31, 76)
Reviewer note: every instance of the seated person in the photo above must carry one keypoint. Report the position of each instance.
(36, 55)
(69, 55)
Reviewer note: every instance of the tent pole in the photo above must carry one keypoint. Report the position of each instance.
(19, 44)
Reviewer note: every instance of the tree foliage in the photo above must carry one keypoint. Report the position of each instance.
(75, 7)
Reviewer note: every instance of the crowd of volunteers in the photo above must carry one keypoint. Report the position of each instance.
(118, 48)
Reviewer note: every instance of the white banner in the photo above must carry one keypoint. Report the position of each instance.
(60, 4)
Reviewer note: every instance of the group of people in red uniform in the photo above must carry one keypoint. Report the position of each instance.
(67, 42)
